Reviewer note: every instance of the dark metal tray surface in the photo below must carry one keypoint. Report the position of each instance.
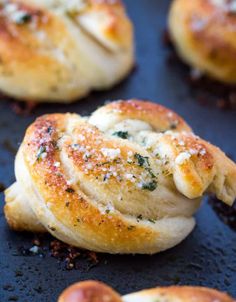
(206, 257)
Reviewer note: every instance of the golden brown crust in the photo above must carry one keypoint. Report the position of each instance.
(93, 291)
(42, 18)
(52, 45)
(159, 117)
(71, 171)
(118, 27)
(204, 34)
(180, 293)
(89, 291)
(52, 182)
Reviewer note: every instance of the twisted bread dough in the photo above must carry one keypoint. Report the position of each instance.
(59, 50)
(128, 179)
(92, 291)
(204, 33)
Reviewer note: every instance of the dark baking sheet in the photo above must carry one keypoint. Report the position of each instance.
(206, 257)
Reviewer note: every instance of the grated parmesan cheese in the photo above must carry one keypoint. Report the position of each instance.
(57, 164)
(75, 6)
(111, 153)
(34, 249)
(81, 137)
(43, 155)
(202, 152)
(182, 157)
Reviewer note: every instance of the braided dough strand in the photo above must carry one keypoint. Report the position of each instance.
(128, 179)
(92, 291)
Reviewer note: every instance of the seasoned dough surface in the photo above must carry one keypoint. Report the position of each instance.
(127, 179)
(204, 33)
(93, 291)
(60, 50)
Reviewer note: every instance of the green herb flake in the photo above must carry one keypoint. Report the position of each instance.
(139, 217)
(166, 172)
(52, 228)
(105, 177)
(152, 220)
(41, 151)
(49, 130)
(143, 161)
(107, 211)
(59, 174)
(72, 13)
(150, 172)
(55, 146)
(103, 164)
(70, 190)
(75, 146)
(150, 186)
(121, 134)
(173, 125)
(87, 156)
(22, 17)
(130, 227)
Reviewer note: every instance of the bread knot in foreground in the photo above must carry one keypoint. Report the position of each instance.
(127, 179)
(204, 33)
(60, 50)
(92, 291)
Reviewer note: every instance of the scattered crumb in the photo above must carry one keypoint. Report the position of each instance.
(34, 249)
(70, 257)
(18, 273)
(23, 108)
(8, 287)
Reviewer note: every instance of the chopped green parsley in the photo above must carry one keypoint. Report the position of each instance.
(41, 151)
(49, 130)
(70, 190)
(121, 134)
(22, 17)
(150, 186)
(173, 125)
(130, 227)
(139, 217)
(52, 228)
(143, 161)
(152, 220)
